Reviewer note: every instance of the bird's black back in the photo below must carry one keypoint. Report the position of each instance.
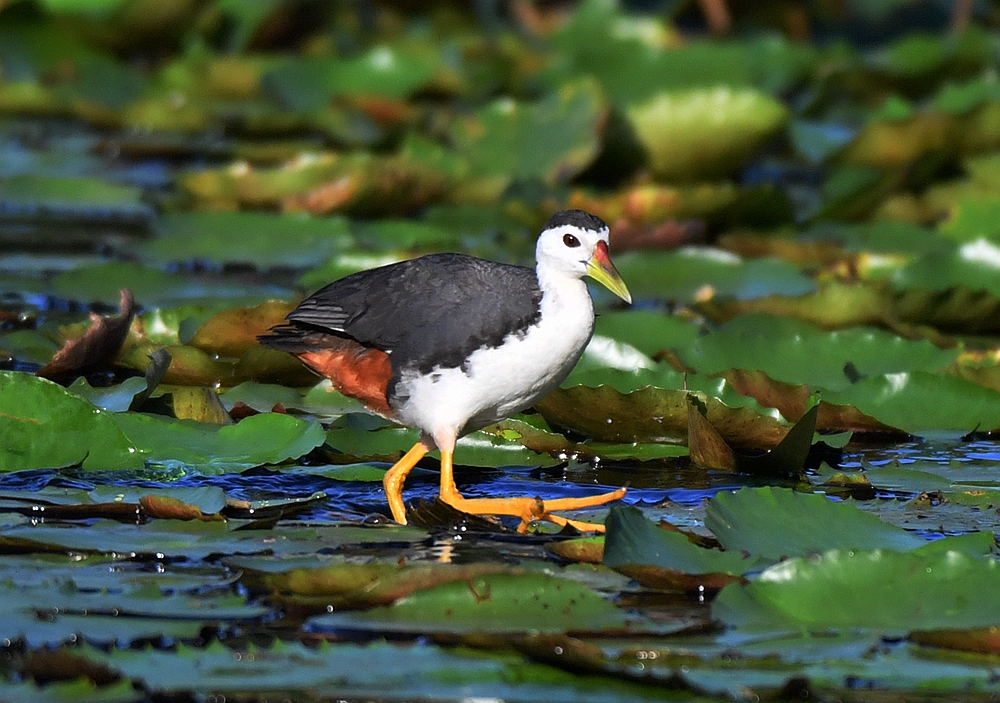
(431, 311)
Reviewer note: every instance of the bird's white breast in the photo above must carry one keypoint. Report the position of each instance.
(498, 382)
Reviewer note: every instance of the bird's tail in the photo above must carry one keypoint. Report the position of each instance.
(295, 339)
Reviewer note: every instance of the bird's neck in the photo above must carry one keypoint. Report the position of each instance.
(564, 290)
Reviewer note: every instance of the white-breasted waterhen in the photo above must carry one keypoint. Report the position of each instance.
(448, 344)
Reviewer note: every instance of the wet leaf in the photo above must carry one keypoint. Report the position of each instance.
(797, 352)
(708, 449)
(884, 590)
(552, 140)
(118, 398)
(167, 508)
(264, 240)
(98, 346)
(777, 523)
(704, 133)
(666, 559)
(268, 438)
(309, 84)
(690, 274)
(102, 283)
(200, 404)
(360, 586)
(233, 332)
(652, 414)
(44, 426)
(490, 603)
(920, 401)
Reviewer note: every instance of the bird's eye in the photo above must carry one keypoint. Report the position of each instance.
(571, 241)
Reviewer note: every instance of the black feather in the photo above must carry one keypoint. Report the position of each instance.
(576, 218)
(429, 312)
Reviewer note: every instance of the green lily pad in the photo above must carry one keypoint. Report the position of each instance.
(655, 556)
(195, 540)
(552, 140)
(102, 282)
(44, 426)
(876, 589)
(408, 235)
(920, 401)
(147, 613)
(647, 413)
(704, 133)
(492, 603)
(268, 438)
(346, 263)
(29, 346)
(603, 41)
(81, 690)
(649, 332)
(357, 671)
(72, 196)
(775, 523)
(262, 239)
(797, 352)
(691, 273)
(309, 84)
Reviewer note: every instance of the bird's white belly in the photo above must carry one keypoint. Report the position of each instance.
(498, 382)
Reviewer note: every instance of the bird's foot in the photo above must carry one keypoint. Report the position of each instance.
(530, 509)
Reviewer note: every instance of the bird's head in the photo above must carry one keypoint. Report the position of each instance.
(575, 243)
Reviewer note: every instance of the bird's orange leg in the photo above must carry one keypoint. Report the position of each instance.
(526, 508)
(394, 478)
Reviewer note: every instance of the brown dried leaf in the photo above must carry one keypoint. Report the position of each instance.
(983, 641)
(97, 348)
(708, 449)
(673, 580)
(168, 508)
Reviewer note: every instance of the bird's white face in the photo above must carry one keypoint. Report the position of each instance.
(575, 251)
(568, 248)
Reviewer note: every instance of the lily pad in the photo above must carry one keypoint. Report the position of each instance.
(495, 603)
(694, 273)
(262, 239)
(552, 140)
(920, 401)
(876, 589)
(776, 523)
(44, 426)
(664, 558)
(308, 85)
(102, 282)
(797, 352)
(704, 133)
(268, 438)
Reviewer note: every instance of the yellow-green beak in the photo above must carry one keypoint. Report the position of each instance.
(604, 272)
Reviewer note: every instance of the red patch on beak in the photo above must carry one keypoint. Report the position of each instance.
(602, 254)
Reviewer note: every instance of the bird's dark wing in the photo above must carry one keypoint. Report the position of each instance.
(427, 312)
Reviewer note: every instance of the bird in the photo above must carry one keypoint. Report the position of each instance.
(450, 343)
